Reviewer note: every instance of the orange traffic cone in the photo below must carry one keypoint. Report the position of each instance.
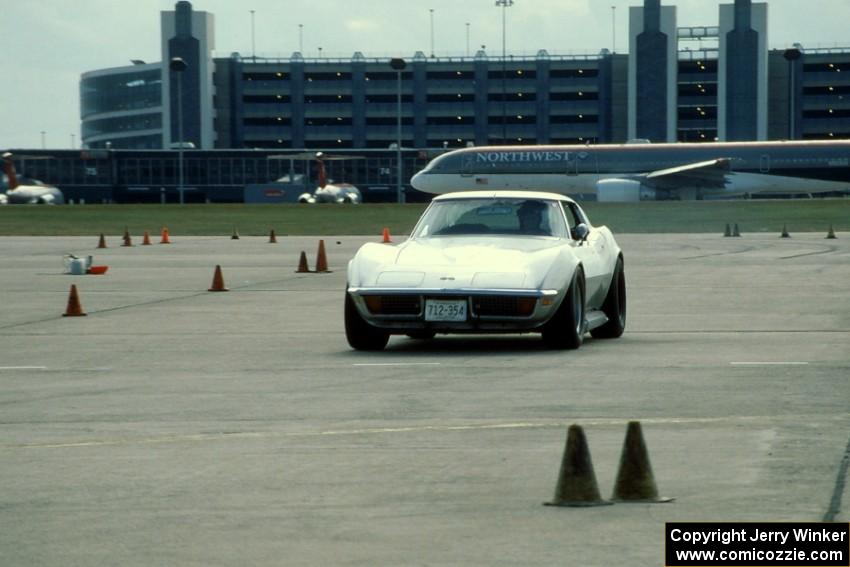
(218, 281)
(321, 259)
(272, 237)
(831, 234)
(576, 480)
(127, 240)
(387, 239)
(102, 242)
(74, 309)
(146, 239)
(635, 481)
(303, 268)
(164, 237)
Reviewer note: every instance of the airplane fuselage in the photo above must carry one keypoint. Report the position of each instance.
(645, 171)
(34, 195)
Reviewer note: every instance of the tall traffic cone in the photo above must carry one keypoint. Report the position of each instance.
(735, 231)
(635, 481)
(218, 281)
(235, 235)
(785, 232)
(728, 231)
(128, 241)
(303, 268)
(164, 236)
(387, 239)
(146, 239)
(74, 308)
(321, 259)
(272, 237)
(102, 242)
(831, 234)
(576, 480)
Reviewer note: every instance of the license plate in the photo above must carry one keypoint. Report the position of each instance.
(445, 310)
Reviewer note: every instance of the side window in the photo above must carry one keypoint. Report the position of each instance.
(574, 217)
(577, 216)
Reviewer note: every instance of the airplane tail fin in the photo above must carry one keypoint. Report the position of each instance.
(9, 170)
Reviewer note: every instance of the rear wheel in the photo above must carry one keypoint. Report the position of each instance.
(566, 329)
(614, 306)
(359, 333)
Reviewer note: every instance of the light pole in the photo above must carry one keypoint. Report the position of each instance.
(467, 39)
(791, 55)
(253, 43)
(398, 64)
(432, 31)
(177, 65)
(301, 38)
(43, 139)
(613, 29)
(504, 4)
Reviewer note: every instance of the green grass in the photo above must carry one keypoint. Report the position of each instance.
(814, 215)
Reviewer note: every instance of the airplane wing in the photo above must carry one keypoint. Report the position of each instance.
(711, 174)
(310, 156)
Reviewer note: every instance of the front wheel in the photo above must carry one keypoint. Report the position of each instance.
(614, 306)
(566, 328)
(359, 333)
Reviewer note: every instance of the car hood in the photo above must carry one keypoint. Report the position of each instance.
(463, 262)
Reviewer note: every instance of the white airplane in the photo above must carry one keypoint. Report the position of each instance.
(643, 171)
(326, 191)
(35, 192)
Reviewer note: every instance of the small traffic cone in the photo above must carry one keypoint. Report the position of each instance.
(74, 308)
(576, 480)
(784, 232)
(735, 231)
(728, 232)
(235, 235)
(218, 281)
(102, 242)
(635, 481)
(127, 240)
(164, 236)
(831, 234)
(387, 239)
(146, 239)
(303, 268)
(321, 259)
(272, 237)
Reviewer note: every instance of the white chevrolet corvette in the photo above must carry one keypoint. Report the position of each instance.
(490, 262)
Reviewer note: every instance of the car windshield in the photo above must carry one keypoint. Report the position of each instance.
(532, 217)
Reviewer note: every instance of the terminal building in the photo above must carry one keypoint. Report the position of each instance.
(687, 84)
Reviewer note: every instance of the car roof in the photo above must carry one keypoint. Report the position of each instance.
(502, 195)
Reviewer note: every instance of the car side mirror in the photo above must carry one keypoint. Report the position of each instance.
(581, 231)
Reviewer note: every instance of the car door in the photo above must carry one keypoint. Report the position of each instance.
(590, 252)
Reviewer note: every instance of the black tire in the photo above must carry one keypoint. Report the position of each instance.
(566, 329)
(360, 334)
(614, 306)
(424, 335)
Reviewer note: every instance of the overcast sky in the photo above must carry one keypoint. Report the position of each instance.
(48, 44)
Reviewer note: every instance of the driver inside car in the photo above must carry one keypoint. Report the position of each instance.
(530, 215)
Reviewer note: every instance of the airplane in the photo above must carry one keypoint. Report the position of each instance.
(639, 170)
(327, 191)
(34, 192)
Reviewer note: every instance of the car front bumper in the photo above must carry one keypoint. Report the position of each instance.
(403, 310)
